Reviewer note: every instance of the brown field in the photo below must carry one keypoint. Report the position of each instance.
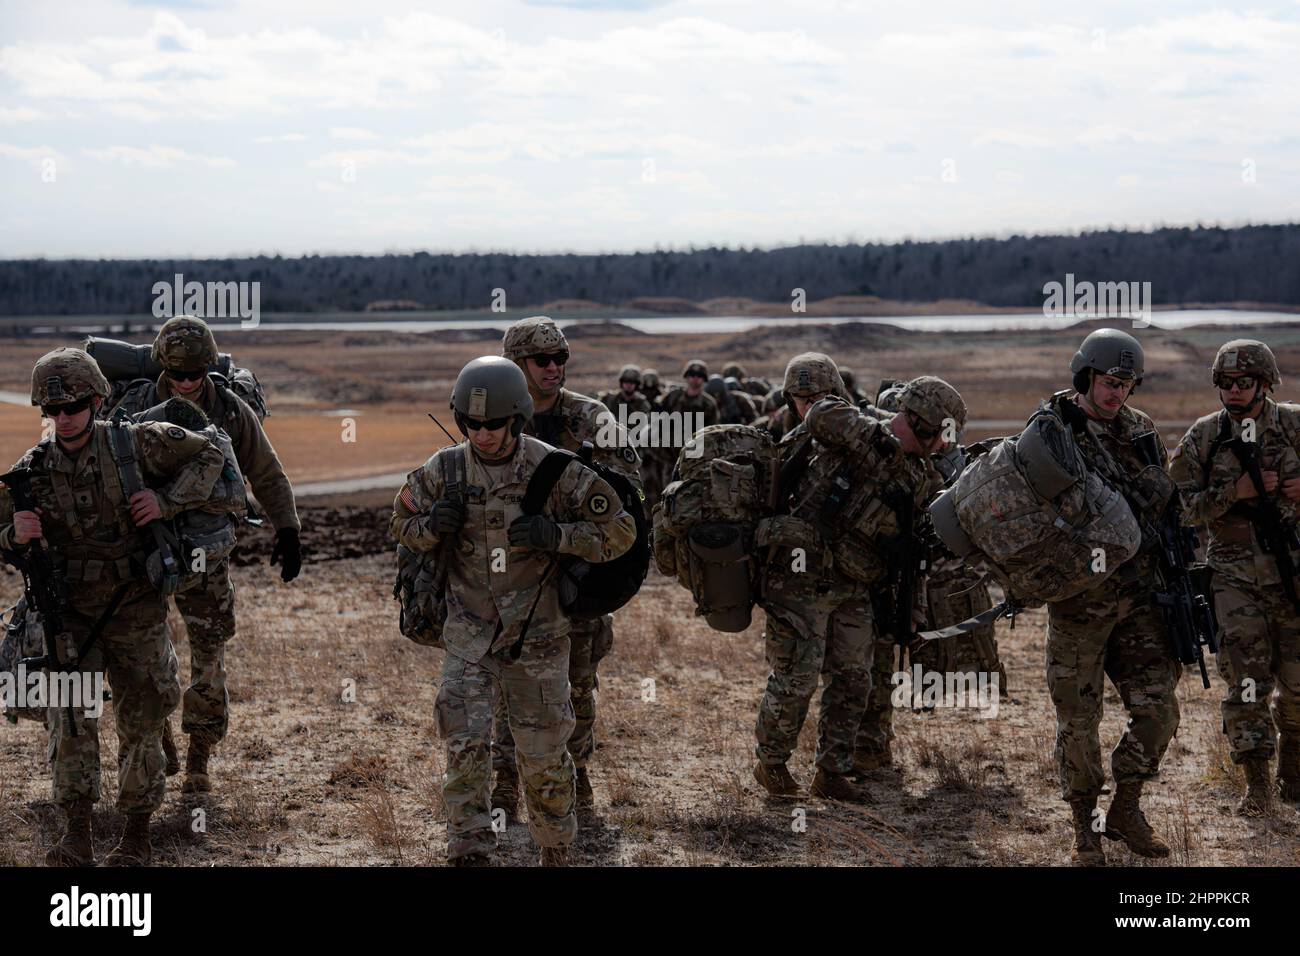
(305, 778)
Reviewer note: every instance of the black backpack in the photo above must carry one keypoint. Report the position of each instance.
(590, 590)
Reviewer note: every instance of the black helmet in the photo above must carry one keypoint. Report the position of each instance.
(1109, 352)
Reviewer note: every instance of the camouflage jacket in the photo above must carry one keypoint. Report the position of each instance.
(1209, 486)
(253, 450)
(86, 518)
(736, 408)
(490, 585)
(636, 403)
(576, 418)
(676, 400)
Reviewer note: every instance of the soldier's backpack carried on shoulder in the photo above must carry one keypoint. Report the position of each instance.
(420, 588)
(23, 639)
(705, 521)
(1030, 510)
(590, 590)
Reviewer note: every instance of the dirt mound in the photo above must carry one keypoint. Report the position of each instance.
(592, 330)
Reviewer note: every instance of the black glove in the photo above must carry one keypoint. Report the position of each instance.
(288, 551)
(446, 517)
(535, 531)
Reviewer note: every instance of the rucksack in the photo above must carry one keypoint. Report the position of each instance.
(1034, 514)
(125, 365)
(587, 589)
(420, 588)
(705, 521)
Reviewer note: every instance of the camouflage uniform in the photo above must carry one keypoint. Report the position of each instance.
(485, 615)
(734, 407)
(209, 608)
(661, 461)
(573, 419)
(97, 548)
(1260, 628)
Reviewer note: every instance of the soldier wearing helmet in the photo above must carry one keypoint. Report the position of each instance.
(734, 406)
(650, 385)
(831, 547)
(628, 393)
(696, 408)
(565, 419)
(1113, 630)
(94, 534)
(488, 651)
(186, 350)
(808, 379)
(754, 387)
(1259, 614)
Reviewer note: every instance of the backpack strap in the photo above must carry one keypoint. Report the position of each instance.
(453, 473)
(544, 478)
(1222, 438)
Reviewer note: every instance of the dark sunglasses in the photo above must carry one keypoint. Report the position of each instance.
(551, 358)
(921, 428)
(696, 375)
(180, 375)
(492, 424)
(68, 408)
(1243, 382)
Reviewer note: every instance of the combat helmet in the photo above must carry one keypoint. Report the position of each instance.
(492, 387)
(66, 375)
(185, 343)
(935, 401)
(696, 366)
(716, 386)
(1110, 352)
(812, 373)
(535, 335)
(629, 373)
(1248, 356)
(735, 370)
(650, 378)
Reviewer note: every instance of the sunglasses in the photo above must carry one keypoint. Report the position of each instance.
(491, 424)
(1243, 382)
(551, 358)
(696, 375)
(67, 408)
(180, 375)
(921, 428)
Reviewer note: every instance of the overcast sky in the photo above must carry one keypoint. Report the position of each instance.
(212, 128)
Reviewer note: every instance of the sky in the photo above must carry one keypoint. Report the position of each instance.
(227, 129)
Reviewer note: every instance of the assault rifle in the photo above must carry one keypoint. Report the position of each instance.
(1184, 594)
(1276, 536)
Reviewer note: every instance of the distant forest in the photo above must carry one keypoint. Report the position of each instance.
(1252, 263)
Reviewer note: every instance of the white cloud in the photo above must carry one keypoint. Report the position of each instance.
(154, 157)
(21, 114)
(280, 138)
(352, 133)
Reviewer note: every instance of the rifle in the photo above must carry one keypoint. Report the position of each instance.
(1276, 537)
(1183, 595)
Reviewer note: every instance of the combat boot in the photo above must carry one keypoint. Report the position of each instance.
(1258, 801)
(1288, 770)
(1088, 850)
(196, 765)
(505, 794)
(76, 846)
(1125, 821)
(173, 765)
(839, 786)
(776, 780)
(869, 761)
(134, 848)
(472, 859)
(554, 856)
(584, 798)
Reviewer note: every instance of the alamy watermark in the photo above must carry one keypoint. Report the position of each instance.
(209, 300)
(929, 689)
(654, 429)
(1098, 300)
(80, 690)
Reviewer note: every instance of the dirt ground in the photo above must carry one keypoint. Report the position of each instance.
(310, 776)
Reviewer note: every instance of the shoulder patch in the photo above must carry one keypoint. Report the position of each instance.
(628, 455)
(598, 504)
(175, 433)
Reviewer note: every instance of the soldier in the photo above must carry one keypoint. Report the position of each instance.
(185, 348)
(488, 652)
(734, 407)
(650, 385)
(819, 616)
(850, 385)
(1259, 656)
(629, 393)
(93, 533)
(564, 419)
(751, 386)
(689, 402)
(1113, 630)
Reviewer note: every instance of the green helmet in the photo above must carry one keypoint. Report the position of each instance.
(716, 386)
(1110, 352)
(934, 400)
(696, 366)
(185, 343)
(629, 373)
(66, 375)
(535, 335)
(812, 373)
(1247, 356)
(492, 387)
(735, 370)
(649, 378)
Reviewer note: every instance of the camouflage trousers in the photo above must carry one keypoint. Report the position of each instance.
(208, 609)
(1116, 633)
(810, 635)
(535, 690)
(876, 730)
(656, 469)
(1259, 657)
(141, 667)
(590, 640)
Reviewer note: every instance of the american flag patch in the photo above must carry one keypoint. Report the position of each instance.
(408, 499)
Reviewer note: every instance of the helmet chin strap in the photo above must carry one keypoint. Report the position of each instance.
(90, 424)
(1257, 398)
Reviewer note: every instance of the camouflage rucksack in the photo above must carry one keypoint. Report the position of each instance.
(1032, 512)
(23, 638)
(704, 523)
(420, 588)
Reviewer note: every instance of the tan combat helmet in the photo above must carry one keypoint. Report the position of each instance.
(1247, 357)
(66, 375)
(696, 366)
(935, 401)
(650, 378)
(812, 373)
(629, 373)
(735, 370)
(185, 344)
(535, 335)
